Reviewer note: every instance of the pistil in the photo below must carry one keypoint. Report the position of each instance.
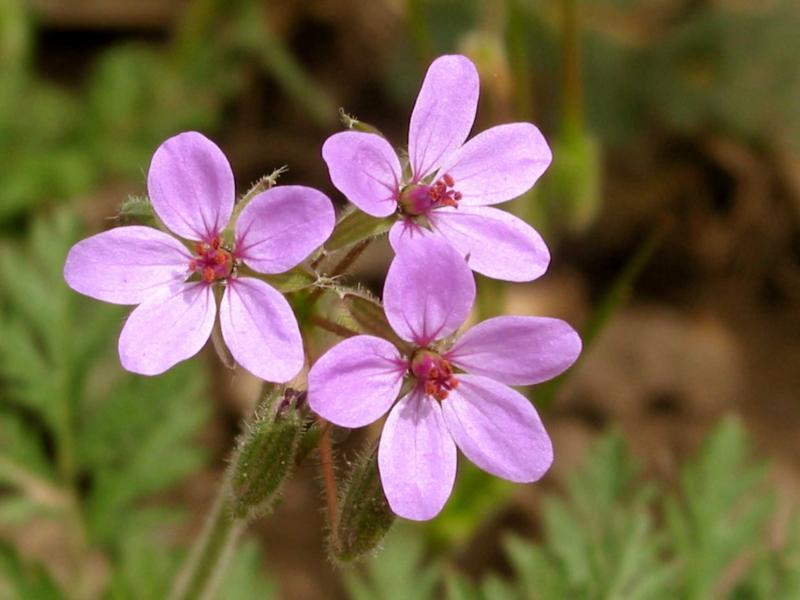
(418, 199)
(434, 373)
(211, 260)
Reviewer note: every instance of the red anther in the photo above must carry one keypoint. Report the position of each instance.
(448, 202)
(211, 260)
(434, 373)
(441, 193)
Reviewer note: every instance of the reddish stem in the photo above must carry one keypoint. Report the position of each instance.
(328, 475)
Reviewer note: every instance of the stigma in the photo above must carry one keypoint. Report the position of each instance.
(434, 374)
(211, 260)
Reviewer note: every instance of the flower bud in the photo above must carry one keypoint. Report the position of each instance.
(136, 210)
(365, 516)
(266, 452)
(351, 122)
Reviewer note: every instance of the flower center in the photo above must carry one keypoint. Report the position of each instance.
(434, 373)
(418, 199)
(211, 261)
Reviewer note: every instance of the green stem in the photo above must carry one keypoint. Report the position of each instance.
(571, 56)
(341, 267)
(202, 571)
(335, 328)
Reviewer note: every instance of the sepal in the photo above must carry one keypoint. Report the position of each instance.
(354, 226)
(365, 516)
(368, 313)
(137, 210)
(266, 452)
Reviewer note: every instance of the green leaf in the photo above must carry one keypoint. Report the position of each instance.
(116, 437)
(355, 226)
(137, 442)
(476, 496)
(397, 573)
(721, 512)
(600, 540)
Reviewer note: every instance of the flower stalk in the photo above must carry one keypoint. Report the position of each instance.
(365, 516)
(263, 460)
(327, 470)
(200, 576)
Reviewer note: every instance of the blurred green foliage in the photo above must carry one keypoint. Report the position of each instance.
(83, 444)
(613, 534)
(59, 143)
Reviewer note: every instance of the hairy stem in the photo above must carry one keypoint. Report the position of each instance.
(340, 330)
(342, 266)
(328, 475)
(203, 569)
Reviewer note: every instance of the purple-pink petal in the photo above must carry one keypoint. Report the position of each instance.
(429, 290)
(365, 168)
(517, 350)
(498, 429)
(355, 382)
(191, 186)
(260, 330)
(125, 265)
(494, 242)
(168, 327)
(443, 114)
(498, 164)
(406, 230)
(416, 458)
(282, 226)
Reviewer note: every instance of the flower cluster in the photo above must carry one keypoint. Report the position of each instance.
(210, 272)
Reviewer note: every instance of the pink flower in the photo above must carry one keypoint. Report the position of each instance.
(428, 294)
(451, 183)
(191, 187)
